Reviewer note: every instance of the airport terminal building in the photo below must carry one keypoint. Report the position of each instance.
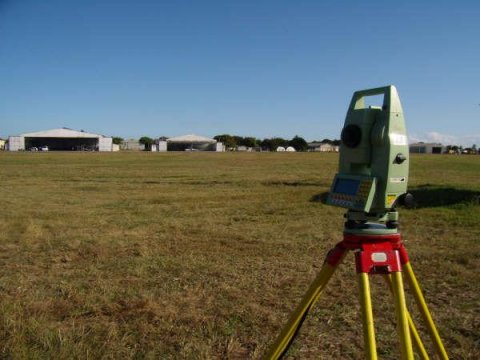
(63, 139)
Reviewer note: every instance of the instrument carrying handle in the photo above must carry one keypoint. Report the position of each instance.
(390, 98)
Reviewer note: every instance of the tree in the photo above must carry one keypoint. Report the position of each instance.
(249, 141)
(146, 141)
(298, 143)
(455, 149)
(117, 140)
(265, 144)
(238, 140)
(273, 143)
(227, 140)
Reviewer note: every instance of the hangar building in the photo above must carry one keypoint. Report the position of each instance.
(63, 139)
(425, 148)
(189, 143)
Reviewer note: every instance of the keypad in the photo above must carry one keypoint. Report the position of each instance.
(357, 201)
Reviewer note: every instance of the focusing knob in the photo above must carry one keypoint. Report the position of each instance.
(400, 158)
(407, 200)
(351, 135)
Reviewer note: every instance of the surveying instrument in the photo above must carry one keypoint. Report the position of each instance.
(372, 180)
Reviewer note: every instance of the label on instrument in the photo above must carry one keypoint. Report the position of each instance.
(391, 199)
(398, 139)
(379, 257)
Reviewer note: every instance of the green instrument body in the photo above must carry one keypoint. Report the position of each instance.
(373, 166)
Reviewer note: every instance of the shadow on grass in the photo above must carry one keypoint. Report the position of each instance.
(295, 183)
(321, 198)
(427, 195)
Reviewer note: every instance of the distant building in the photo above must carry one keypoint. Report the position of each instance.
(63, 139)
(471, 151)
(132, 144)
(2, 144)
(188, 143)
(244, 148)
(426, 148)
(323, 147)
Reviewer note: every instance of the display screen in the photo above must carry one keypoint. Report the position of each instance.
(346, 186)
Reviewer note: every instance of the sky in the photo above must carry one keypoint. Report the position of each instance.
(262, 68)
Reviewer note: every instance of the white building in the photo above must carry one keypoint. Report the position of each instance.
(63, 139)
(132, 144)
(426, 148)
(189, 143)
(323, 147)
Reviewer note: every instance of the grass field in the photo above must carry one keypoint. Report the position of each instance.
(204, 255)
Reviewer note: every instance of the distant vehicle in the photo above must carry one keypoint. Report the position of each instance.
(33, 148)
(44, 148)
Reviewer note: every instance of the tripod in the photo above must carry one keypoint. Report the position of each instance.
(378, 250)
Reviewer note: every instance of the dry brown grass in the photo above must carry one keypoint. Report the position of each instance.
(200, 256)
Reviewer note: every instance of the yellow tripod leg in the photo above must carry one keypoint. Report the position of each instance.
(422, 306)
(417, 341)
(367, 317)
(402, 319)
(295, 321)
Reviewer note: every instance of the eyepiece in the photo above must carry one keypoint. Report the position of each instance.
(351, 135)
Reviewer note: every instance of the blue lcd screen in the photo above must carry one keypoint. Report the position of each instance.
(346, 186)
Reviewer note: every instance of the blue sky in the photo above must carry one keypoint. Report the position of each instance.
(250, 68)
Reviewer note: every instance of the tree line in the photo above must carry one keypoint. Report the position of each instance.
(233, 142)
